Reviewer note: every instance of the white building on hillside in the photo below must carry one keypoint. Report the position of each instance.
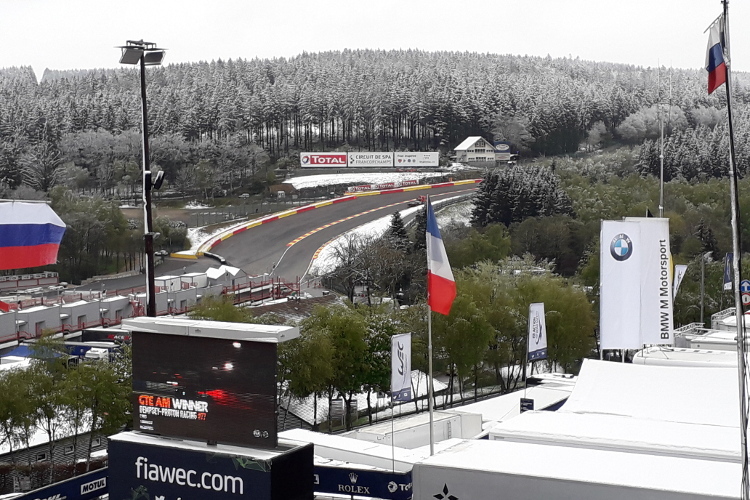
(476, 151)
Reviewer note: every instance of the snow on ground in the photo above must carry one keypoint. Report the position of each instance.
(458, 213)
(199, 236)
(327, 261)
(310, 181)
(194, 205)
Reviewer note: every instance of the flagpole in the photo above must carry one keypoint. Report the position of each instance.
(393, 438)
(429, 379)
(737, 261)
(430, 389)
(441, 292)
(661, 148)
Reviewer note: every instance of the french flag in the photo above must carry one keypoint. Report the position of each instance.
(30, 235)
(441, 287)
(715, 63)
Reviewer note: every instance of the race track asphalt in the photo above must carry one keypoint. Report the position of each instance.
(260, 249)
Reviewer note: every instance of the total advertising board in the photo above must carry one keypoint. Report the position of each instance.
(377, 159)
(322, 160)
(214, 390)
(156, 468)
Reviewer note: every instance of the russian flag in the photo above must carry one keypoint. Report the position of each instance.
(441, 287)
(715, 63)
(30, 235)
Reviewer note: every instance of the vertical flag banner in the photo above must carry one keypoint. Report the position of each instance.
(715, 56)
(441, 287)
(636, 283)
(620, 299)
(679, 273)
(656, 281)
(537, 332)
(728, 270)
(30, 235)
(401, 367)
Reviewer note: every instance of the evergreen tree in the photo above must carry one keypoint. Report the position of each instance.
(396, 234)
(514, 194)
(420, 230)
(480, 215)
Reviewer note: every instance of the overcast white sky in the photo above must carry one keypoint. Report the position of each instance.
(68, 34)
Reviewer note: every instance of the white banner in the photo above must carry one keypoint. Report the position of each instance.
(401, 367)
(636, 292)
(537, 342)
(656, 281)
(371, 159)
(728, 258)
(679, 273)
(417, 160)
(620, 294)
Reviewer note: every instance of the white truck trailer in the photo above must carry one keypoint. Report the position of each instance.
(500, 470)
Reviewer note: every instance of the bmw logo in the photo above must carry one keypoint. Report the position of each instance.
(621, 247)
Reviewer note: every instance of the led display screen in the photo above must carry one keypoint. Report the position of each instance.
(205, 389)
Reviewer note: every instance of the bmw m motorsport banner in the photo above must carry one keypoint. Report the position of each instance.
(636, 283)
(656, 281)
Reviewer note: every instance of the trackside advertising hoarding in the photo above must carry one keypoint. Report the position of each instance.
(322, 160)
(502, 150)
(91, 485)
(370, 159)
(208, 389)
(366, 159)
(363, 483)
(407, 160)
(157, 468)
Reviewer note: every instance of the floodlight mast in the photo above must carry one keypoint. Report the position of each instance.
(145, 54)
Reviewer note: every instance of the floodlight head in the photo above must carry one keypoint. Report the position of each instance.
(153, 58)
(131, 55)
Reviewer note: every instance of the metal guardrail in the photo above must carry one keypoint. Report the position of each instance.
(722, 314)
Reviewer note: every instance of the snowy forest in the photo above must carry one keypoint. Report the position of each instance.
(231, 126)
(80, 128)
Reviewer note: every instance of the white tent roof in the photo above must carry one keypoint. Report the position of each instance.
(732, 321)
(217, 272)
(501, 408)
(619, 433)
(666, 410)
(668, 393)
(680, 356)
(362, 452)
(531, 465)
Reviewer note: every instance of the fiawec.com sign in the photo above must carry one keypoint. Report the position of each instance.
(317, 160)
(150, 468)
